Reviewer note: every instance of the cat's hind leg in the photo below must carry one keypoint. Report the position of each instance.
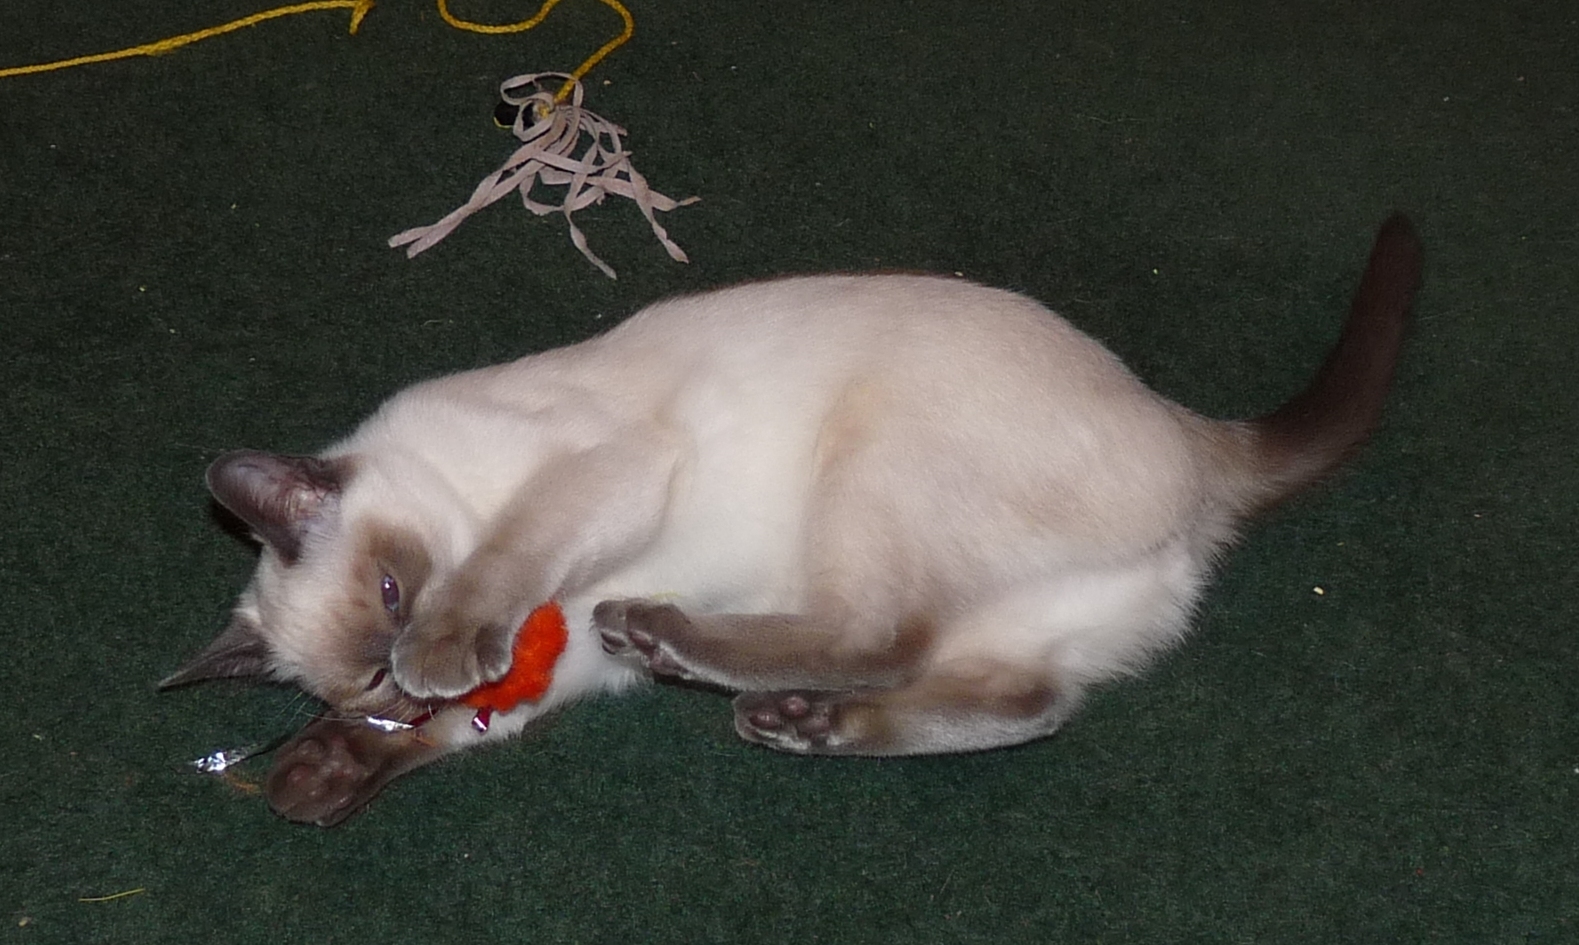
(807, 688)
(1004, 672)
(966, 705)
(762, 651)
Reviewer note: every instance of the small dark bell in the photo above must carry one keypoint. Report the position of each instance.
(504, 114)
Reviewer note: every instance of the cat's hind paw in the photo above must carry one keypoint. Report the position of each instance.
(799, 721)
(644, 632)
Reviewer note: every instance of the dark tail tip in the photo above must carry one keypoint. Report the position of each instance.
(1310, 436)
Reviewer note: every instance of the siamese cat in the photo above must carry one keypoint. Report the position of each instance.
(893, 514)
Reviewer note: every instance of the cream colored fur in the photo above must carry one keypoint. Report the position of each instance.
(911, 445)
(897, 513)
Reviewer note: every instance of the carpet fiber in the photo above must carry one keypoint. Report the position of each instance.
(1372, 736)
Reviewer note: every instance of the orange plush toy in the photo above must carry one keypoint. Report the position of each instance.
(538, 646)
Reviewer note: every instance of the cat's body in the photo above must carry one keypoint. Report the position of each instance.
(898, 514)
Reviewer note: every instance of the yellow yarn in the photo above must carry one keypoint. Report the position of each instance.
(451, 19)
(359, 9)
(542, 14)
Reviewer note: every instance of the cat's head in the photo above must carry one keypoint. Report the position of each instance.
(346, 556)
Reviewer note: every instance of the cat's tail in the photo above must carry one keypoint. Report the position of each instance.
(1308, 438)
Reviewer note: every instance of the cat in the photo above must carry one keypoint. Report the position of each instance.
(894, 514)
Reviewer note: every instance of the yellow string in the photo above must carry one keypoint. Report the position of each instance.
(542, 14)
(359, 9)
(521, 27)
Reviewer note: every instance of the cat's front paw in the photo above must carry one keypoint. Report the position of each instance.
(645, 632)
(450, 654)
(333, 767)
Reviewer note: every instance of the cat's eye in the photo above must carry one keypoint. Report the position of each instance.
(389, 590)
(378, 679)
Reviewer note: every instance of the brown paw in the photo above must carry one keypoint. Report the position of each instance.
(450, 655)
(333, 768)
(801, 721)
(645, 632)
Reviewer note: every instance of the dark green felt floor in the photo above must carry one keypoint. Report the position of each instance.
(192, 259)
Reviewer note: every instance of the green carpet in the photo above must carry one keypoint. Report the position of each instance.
(192, 259)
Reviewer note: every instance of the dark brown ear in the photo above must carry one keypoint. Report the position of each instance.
(278, 495)
(239, 651)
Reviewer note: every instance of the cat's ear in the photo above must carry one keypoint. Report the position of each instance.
(279, 496)
(239, 651)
